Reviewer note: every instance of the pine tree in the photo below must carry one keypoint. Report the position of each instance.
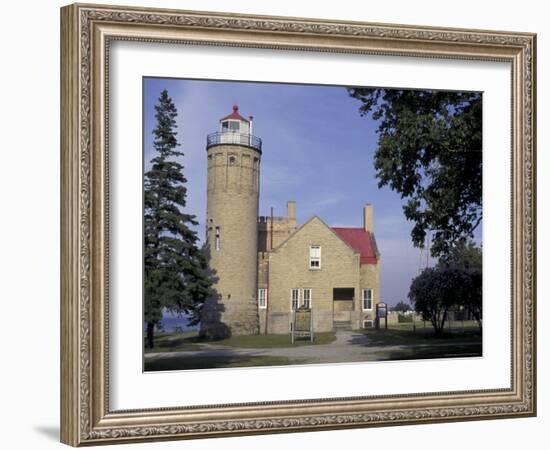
(177, 277)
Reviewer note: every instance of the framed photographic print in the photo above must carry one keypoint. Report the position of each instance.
(267, 221)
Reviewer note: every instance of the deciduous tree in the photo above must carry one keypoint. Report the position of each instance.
(436, 291)
(467, 256)
(402, 307)
(429, 151)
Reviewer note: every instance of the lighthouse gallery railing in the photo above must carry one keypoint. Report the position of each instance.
(248, 140)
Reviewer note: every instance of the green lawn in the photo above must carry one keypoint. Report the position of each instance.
(398, 342)
(188, 341)
(451, 326)
(403, 334)
(405, 343)
(214, 362)
(447, 350)
(275, 340)
(174, 342)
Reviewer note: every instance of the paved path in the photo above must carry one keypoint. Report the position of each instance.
(349, 346)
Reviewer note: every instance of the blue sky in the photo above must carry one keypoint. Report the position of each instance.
(317, 150)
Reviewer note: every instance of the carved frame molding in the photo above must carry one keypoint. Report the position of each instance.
(86, 32)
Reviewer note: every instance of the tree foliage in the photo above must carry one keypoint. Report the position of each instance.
(402, 307)
(467, 256)
(455, 283)
(429, 151)
(176, 273)
(435, 292)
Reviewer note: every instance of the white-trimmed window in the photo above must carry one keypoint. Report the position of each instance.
(366, 298)
(294, 299)
(306, 298)
(218, 244)
(314, 256)
(262, 298)
(231, 126)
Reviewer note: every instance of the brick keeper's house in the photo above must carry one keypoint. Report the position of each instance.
(267, 266)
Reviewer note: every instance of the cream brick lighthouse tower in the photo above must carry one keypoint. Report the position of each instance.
(232, 227)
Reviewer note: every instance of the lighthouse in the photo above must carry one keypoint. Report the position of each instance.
(233, 155)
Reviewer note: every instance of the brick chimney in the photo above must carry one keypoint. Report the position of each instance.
(368, 218)
(291, 209)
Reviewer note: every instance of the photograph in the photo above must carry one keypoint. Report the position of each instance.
(291, 198)
(296, 224)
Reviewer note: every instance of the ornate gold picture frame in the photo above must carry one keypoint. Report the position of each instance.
(87, 32)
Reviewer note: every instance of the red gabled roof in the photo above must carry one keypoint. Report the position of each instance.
(361, 241)
(235, 115)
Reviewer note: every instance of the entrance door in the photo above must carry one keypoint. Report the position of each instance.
(342, 301)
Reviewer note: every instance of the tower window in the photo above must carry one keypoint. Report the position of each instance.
(232, 160)
(231, 126)
(262, 298)
(218, 246)
(315, 257)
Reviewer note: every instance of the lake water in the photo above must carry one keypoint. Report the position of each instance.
(169, 323)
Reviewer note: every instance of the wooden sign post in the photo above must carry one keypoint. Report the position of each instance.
(302, 324)
(381, 312)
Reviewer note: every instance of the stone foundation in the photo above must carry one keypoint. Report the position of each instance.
(279, 323)
(229, 318)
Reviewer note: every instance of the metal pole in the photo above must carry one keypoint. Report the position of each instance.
(311, 325)
(271, 234)
(267, 292)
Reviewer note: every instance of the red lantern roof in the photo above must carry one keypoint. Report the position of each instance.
(235, 115)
